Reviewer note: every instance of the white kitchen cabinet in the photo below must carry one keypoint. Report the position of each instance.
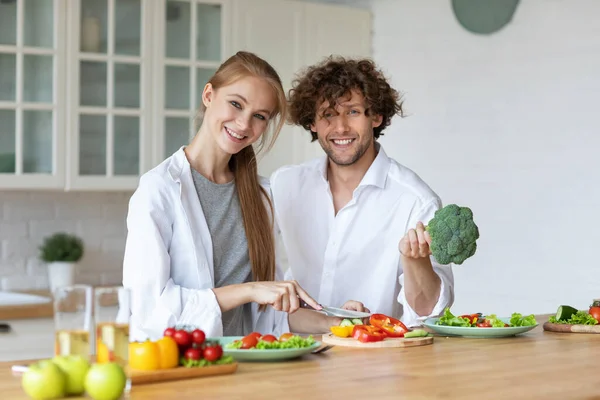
(32, 101)
(109, 91)
(103, 90)
(293, 35)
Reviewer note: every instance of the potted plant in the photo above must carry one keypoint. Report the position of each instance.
(61, 251)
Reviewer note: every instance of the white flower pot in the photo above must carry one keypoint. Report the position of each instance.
(61, 273)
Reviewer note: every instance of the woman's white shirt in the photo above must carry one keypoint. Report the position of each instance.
(168, 262)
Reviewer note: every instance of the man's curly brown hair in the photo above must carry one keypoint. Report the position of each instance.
(334, 78)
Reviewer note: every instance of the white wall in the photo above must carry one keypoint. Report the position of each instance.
(507, 125)
(26, 218)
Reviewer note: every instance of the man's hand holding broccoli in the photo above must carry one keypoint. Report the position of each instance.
(451, 236)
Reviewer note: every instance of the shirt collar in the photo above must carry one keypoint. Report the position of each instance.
(376, 174)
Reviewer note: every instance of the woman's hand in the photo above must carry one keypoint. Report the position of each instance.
(281, 295)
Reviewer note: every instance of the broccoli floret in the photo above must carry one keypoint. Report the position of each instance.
(453, 234)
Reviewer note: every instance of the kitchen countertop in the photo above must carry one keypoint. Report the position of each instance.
(12, 312)
(538, 364)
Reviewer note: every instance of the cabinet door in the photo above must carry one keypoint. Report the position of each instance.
(189, 46)
(109, 91)
(31, 96)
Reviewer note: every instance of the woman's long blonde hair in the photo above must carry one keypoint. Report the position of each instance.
(257, 222)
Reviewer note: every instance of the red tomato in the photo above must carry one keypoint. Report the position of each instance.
(198, 336)
(183, 338)
(257, 334)
(595, 312)
(484, 324)
(268, 338)
(169, 332)
(249, 341)
(284, 337)
(212, 352)
(193, 354)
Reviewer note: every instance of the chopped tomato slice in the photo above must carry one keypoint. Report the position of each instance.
(368, 333)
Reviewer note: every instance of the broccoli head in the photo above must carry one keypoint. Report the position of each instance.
(453, 234)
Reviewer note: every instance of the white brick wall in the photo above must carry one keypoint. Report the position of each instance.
(508, 125)
(27, 217)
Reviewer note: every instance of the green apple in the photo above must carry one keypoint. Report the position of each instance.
(105, 381)
(44, 380)
(75, 368)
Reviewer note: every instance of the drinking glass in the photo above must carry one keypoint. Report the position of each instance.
(72, 320)
(111, 314)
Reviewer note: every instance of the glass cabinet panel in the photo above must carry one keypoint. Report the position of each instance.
(8, 77)
(208, 32)
(177, 88)
(94, 26)
(7, 141)
(126, 149)
(92, 83)
(127, 85)
(92, 145)
(37, 140)
(8, 23)
(178, 29)
(38, 28)
(128, 27)
(177, 134)
(37, 78)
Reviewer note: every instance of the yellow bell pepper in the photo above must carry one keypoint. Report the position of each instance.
(341, 331)
(144, 356)
(169, 352)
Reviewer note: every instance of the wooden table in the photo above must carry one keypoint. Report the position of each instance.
(535, 365)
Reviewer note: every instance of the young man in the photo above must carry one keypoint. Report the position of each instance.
(352, 222)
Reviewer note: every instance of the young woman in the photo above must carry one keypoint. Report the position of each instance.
(200, 246)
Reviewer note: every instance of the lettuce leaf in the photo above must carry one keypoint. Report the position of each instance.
(450, 319)
(581, 317)
(519, 320)
(495, 321)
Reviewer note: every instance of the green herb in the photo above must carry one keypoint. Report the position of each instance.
(204, 363)
(579, 318)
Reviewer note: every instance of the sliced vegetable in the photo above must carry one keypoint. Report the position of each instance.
(579, 318)
(565, 312)
(368, 333)
(346, 322)
(416, 333)
(389, 323)
(357, 321)
(342, 331)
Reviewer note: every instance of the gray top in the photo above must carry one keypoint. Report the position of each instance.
(231, 259)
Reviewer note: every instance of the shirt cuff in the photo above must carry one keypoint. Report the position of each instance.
(409, 317)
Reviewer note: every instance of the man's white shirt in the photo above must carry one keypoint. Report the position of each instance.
(354, 255)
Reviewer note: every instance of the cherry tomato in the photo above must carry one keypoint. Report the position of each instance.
(257, 334)
(595, 312)
(169, 332)
(211, 354)
(183, 339)
(249, 342)
(268, 338)
(198, 336)
(193, 354)
(484, 324)
(284, 337)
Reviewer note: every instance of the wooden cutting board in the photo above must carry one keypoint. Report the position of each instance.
(179, 373)
(387, 342)
(570, 328)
